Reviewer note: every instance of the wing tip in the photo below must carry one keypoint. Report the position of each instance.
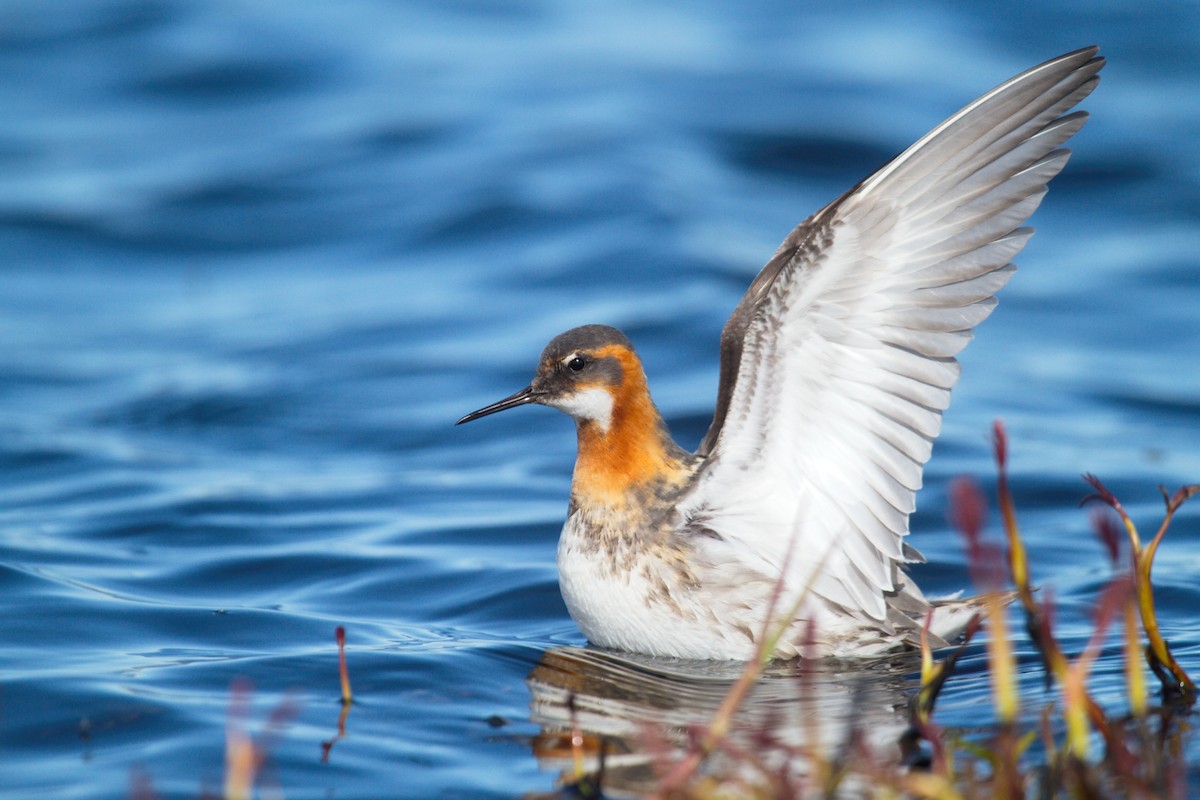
(1088, 54)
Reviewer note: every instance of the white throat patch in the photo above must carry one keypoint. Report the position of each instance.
(594, 404)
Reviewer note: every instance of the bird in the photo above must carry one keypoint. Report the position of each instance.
(789, 520)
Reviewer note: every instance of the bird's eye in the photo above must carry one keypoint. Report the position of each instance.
(576, 364)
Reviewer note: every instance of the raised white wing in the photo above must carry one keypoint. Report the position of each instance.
(838, 362)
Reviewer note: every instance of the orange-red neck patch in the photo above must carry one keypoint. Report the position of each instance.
(635, 451)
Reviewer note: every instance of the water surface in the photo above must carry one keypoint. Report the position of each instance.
(257, 260)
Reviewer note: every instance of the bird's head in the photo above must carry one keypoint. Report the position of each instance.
(585, 372)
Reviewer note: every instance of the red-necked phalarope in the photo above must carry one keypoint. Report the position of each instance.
(835, 369)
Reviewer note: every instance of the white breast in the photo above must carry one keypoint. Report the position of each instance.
(617, 600)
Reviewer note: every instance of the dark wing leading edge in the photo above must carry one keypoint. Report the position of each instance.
(839, 360)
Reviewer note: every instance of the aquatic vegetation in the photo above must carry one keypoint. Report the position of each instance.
(347, 695)
(245, 755)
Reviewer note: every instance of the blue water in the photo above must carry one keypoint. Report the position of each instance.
(259, 257)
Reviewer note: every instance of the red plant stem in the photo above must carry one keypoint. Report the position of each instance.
(340, 635)
(1018, 558)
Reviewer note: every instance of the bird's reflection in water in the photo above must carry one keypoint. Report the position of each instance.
(644, 712)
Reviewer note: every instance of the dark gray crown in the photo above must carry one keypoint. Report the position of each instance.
(585, 337)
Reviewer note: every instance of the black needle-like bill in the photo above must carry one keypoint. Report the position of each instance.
(526, 395)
